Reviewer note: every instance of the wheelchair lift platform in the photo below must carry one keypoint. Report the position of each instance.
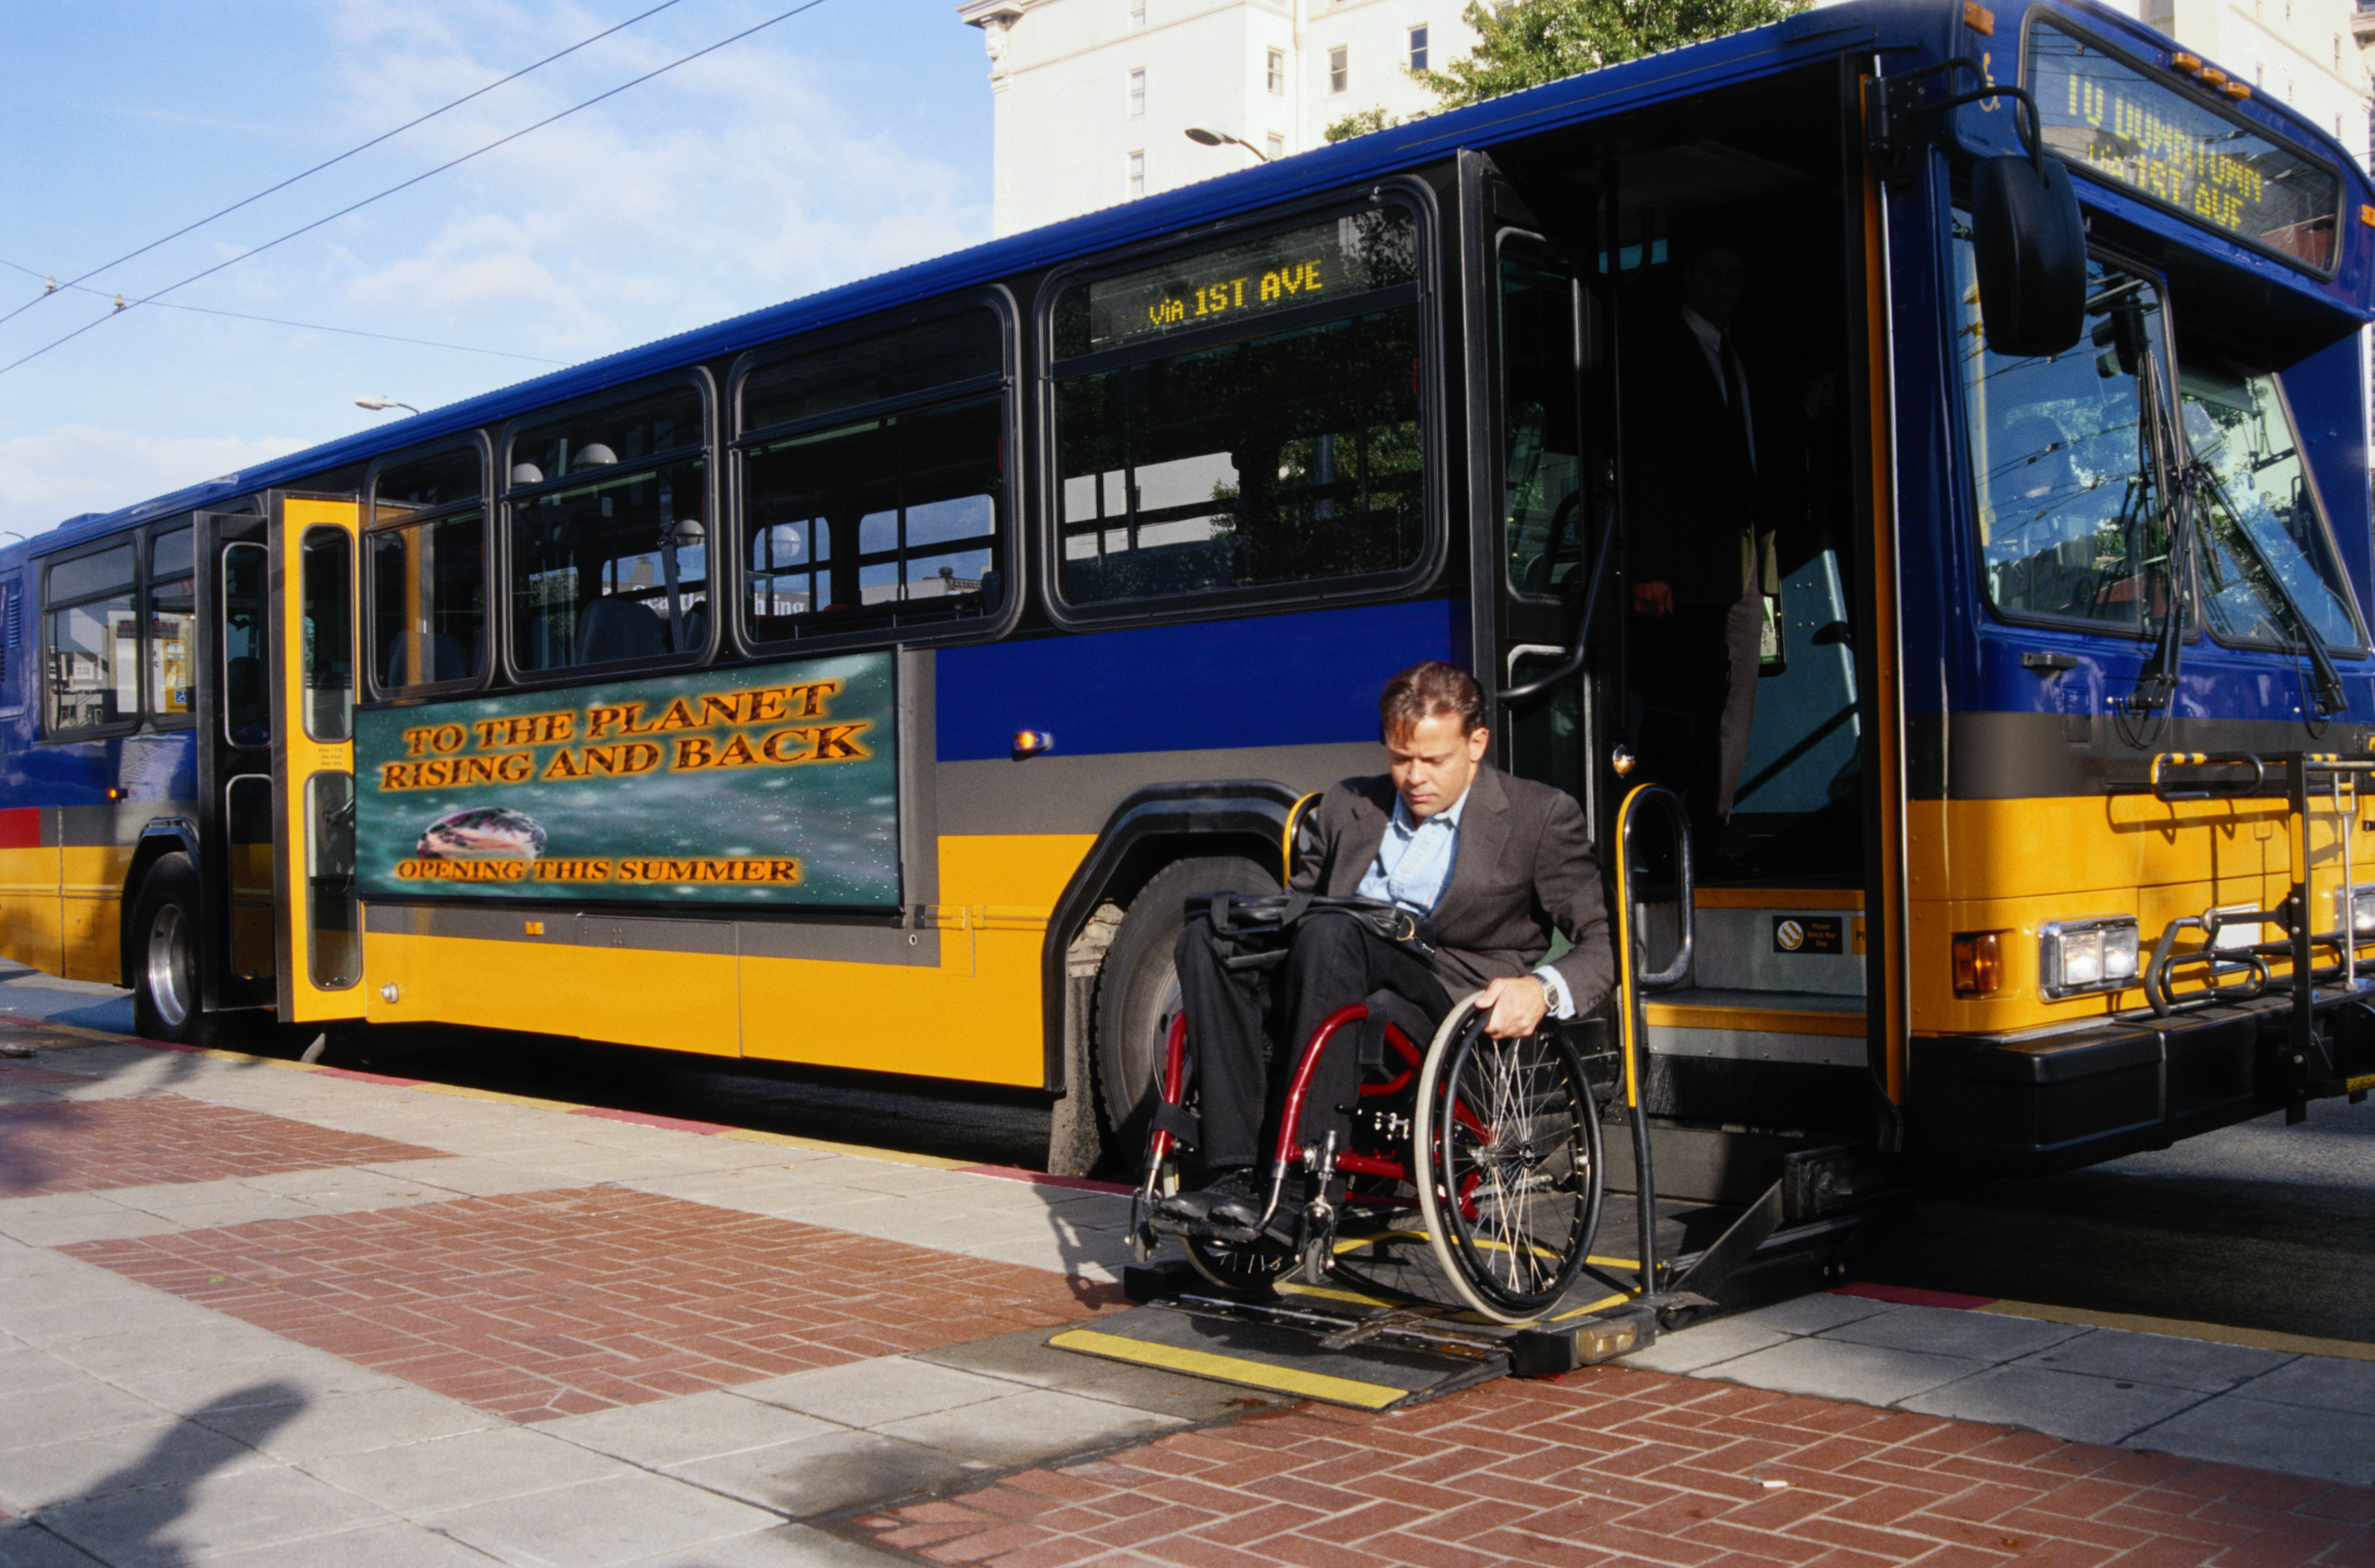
(1385, 1331)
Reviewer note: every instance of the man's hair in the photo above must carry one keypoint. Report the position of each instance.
(1425, 689)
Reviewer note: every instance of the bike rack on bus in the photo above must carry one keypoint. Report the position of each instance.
(2326, 958)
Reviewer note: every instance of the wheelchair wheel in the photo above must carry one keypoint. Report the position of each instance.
(1507, 1139)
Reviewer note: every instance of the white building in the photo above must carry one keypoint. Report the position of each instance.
(1094, 98)
(2299, 51)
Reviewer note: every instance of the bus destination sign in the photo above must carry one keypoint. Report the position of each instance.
(769, 787)
(1322, 261)
(2111, 119)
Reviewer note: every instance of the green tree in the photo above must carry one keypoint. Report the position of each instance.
(1524, 44)
(1360, 123)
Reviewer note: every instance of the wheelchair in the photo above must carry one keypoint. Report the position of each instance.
(1485, 1153)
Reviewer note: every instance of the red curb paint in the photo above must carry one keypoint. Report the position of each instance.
(645, 1119)
(1041, 1179)
(1907, 1295)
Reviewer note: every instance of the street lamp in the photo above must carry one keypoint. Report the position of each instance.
(1213, 136)
(376, 403)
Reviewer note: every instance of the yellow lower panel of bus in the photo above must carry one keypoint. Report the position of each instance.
(975, 1015)
(91, 912)
(29, 908)
(2011, 866)
(677, 1001)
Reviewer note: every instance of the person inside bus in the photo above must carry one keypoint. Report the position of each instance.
(1711, 446)
(1493, 863)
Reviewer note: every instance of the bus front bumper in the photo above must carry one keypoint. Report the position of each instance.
(2037, 1104)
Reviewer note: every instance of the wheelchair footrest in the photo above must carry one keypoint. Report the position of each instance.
(1287, 1350)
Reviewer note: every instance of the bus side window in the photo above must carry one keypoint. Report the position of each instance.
(1243, 418)
(874, 482)
(12, 657)
(94, 641)
(326, 568)
(172, 627)
(246, 646)
(609, 535)
(428, 571)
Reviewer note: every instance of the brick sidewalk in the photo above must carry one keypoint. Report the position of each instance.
(1617, 1468)
(534, 1305)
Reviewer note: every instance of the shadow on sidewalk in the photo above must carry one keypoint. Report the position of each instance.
(126, 1515)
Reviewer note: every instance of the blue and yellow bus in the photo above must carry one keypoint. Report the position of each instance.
(864, 681)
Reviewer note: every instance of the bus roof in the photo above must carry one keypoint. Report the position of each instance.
(1927, 28)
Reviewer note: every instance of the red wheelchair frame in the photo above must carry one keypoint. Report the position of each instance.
(1489, 1148)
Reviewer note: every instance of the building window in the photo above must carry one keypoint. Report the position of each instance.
(1340, 71)
(1418, 47)
(1138, 174)
(1277, 147)
(1277, 73)
(1137, 14)
(1137, 94)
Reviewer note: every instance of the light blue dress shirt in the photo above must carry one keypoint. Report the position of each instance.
(1413, 867)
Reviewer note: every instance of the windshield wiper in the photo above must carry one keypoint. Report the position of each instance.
(2156, 687)
(2331, 697)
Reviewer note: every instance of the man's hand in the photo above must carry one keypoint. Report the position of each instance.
(1653, 598)
(1516, 1004)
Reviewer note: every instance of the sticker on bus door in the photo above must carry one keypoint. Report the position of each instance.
(775, 785)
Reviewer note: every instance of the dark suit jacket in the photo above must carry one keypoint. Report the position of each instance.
(1524, 864)
(1693, 495)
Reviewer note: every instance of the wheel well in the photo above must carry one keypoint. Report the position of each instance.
(1150, 830)
(154, 846)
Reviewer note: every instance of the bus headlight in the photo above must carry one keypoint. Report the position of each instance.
(2078, 956)
(2354, 911)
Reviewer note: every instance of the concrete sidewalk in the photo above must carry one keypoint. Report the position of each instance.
(255, 1312)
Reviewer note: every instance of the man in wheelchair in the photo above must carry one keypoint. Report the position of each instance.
(1477, 868)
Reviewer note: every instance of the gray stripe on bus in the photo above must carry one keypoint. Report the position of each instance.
(1056, 794)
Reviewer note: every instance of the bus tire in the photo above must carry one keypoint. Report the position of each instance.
(1138, 989)
(167, 999)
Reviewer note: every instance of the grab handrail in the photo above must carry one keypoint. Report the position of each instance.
(1632, 984)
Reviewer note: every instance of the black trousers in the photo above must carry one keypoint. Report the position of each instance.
(1332, 959)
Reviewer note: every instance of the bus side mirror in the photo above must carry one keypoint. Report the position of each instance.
(2029, 246)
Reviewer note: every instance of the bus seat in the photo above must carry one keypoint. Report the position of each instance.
(610, 629)
(696, 629)
(448, 660)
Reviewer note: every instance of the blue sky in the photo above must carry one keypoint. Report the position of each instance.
(844, 141)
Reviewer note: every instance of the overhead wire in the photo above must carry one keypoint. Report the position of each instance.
(406, 184)
(341, 158)
(277, 320)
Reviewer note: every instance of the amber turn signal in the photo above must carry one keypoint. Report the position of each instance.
(1978, 962)
(1031, 742)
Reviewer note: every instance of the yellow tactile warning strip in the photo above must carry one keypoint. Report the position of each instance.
(2217, 1334)
(1232, 1369)
(2168, 1327)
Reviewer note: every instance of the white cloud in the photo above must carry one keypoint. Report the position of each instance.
(52, 474)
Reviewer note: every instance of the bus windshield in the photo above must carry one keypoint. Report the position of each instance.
(2071, 520)
(2267, 561)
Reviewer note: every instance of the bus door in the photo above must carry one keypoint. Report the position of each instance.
(234, 759)
(1573, 255)
(318, 953)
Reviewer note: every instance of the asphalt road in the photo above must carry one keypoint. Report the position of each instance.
(2258, 1226)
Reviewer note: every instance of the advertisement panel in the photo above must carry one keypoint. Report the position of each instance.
(776, 786)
